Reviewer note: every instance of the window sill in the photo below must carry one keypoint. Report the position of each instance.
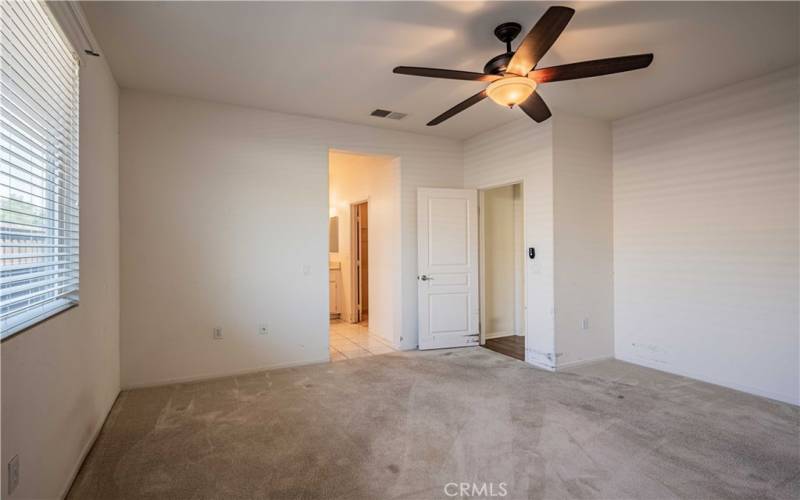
(38, 320)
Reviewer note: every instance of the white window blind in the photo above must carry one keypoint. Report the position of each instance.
(39, 91)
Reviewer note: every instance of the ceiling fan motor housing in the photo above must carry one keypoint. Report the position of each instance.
(498, 64)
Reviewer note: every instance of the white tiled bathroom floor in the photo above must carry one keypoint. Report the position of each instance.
(349, 341)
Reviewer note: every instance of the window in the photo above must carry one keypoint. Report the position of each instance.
(38, 167)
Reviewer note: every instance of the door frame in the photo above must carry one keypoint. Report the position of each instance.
(482, 256)
(355, 312)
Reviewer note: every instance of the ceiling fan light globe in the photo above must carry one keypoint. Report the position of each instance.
(511, 90)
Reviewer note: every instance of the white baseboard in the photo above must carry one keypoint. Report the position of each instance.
(85, 451)
(784, 398)
(582, 362)
(211, 376)
(541, 365)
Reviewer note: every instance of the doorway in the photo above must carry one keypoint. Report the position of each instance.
(502, 277)
(360, 262)
(364, 227)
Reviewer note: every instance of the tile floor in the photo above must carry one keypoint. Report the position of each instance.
(348, 341)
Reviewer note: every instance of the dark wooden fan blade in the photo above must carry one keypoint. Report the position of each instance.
(535, 107)
(458, 108)
(539, 40)
(446, 73)
(588, 69)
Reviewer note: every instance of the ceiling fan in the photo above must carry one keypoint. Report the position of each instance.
(513, 75)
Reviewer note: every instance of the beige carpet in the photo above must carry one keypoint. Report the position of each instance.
(406, 425)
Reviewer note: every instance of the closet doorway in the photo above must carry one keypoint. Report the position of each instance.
(502, 264)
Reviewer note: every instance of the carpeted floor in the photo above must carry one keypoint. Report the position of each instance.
(404, 425)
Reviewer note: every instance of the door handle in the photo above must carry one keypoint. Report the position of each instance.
(425, 278)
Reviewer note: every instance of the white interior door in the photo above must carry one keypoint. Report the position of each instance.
(447, 261)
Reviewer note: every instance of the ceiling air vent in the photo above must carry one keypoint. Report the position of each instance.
(385, 113)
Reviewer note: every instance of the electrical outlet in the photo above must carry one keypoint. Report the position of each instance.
(263, 329)
(218, 333)
(585, 323)
(13, 474)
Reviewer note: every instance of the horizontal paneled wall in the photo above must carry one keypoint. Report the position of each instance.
(706, 237)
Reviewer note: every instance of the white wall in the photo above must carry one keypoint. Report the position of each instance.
(583, 239)
(706, 237)
(60, 377)
(355, 178)
(523, 151)
(224, 215)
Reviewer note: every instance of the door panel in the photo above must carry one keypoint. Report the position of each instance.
(448, 232)
(447, 280)
(449, 312)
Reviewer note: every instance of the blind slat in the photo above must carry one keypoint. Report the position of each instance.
(37, 62)
(11, 225)
(29, 21)
(53, 200)
(37, 245)
(29, 65)
(62, 287)
(42, 255)
(62, 279)
(40, 300)
(7, 269)
(11, 235)
(14, 106)
(47, 158)
(63, 210)
(59, 191)
(60, 220)
(7, 166)
(8, 114)
(9, 280)
(34, 102)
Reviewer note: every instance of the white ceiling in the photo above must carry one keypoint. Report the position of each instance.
(335, 60)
